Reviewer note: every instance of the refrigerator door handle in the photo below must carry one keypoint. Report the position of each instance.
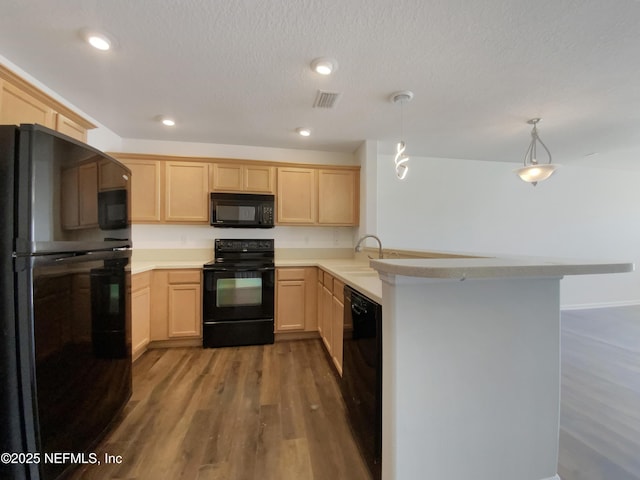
(68, 258)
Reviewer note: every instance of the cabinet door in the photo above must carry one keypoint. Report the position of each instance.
(187, 192)
(110, 176)
(88, 194)
(69, 198)
(290, 303)
(259, 179)
(145, 190)
(337, 333)
(141, 320)
(226, 177)
(158, 323)
(338, 197)
(184, 310)
(69, 127)
(327, 318)
(17, 106)
(320, 305)
(296, 196)
(296, 299)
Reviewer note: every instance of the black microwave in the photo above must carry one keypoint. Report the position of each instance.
(113, 209)
(242, 210)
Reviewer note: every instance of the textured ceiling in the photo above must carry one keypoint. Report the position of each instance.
(237, 72)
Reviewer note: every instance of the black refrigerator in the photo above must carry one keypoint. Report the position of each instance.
(65, 311)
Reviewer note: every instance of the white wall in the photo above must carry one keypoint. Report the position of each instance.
(100, 137)
(245, 152)
(483, 207)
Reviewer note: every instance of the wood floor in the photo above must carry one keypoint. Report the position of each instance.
(600, 406)
(275, 412)
(267, 412)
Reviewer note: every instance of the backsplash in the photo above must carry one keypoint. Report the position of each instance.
(203, 236)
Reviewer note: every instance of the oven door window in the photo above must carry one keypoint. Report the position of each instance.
(242, 291)
(245, 295)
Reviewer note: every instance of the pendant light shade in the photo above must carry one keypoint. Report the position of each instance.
(534, 171)
(401, 160)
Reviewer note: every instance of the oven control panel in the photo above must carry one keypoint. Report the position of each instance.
(249, 245)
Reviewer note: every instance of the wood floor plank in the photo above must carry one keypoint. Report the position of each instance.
(600, 397)
(200, 414)
(294, 461)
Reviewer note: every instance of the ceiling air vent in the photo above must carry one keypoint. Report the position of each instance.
(326, 99)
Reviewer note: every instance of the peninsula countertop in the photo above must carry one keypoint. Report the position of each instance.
(496, 267)
(362, 273)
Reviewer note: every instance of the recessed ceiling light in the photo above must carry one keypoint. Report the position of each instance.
(324, 65)
(169, 122)
(305, 132)
(98, 40)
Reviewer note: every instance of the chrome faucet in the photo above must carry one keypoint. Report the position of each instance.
(359, 244)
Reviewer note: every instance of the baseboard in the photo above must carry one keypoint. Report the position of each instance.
(593, 306)
(286, 336)
(176, 343)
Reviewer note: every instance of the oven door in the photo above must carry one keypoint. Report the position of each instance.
(238, 293)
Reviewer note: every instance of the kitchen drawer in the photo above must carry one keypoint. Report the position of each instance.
(140, 280)
(328, 280)
(338, 290)
(291, 273)
(177, 277)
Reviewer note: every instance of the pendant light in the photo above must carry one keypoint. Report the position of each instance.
(400, 158)
(534, 171)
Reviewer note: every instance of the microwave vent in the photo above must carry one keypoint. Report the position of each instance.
(326, 99)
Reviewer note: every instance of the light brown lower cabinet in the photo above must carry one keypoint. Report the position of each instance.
(296, 299)
(327, 316)
(176, 307)
(337, 318)
(331, 312)
(185, 303)
(140, 313)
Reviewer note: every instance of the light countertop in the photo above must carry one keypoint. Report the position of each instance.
(363, 274)
(354, 272)
(497, 267)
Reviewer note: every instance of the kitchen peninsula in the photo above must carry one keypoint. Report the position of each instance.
(471, 363)
(471, 366)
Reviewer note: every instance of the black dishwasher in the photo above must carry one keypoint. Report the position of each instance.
(361, 383)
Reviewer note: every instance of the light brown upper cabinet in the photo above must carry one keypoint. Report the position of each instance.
(110, 176)
(145, 190)
(318, 196)
(186, 192)
(79, 201)
(18, 106)
(338, 197)
(69, 127)
(21, 102)
(297, 196)
(247, 178)
(167, 191)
